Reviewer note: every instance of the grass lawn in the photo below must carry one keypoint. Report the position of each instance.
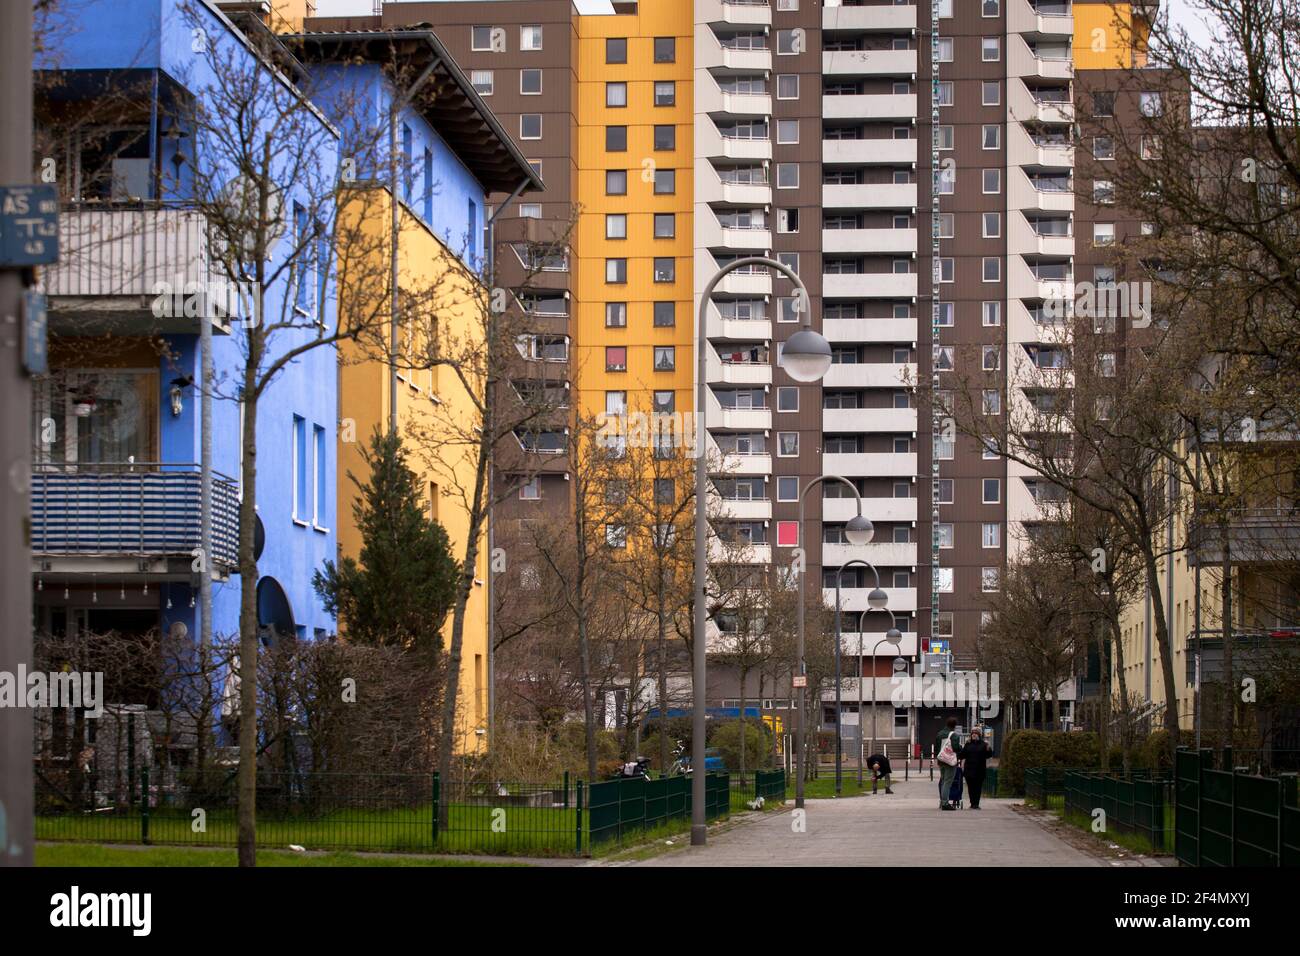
(824, 786)
(92, 855)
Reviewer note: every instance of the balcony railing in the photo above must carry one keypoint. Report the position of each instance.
(136, 509)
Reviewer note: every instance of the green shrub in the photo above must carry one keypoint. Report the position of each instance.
(758, 744)
(1023, 749)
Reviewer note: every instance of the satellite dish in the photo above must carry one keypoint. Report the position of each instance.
(240, 199)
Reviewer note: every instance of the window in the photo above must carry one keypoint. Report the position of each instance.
(787, 310)
(787, 488)
(947, 310)
(789, 42)
(992, 491)
(992, 222)
(787, 131)
(665, 138)
(1150, 104)
(1103, 104)
(992, 534)
(947, 270)
(992, 358)
(665, 49)
(787, 220)
(991, 137)
(1103, 148)
(530, 126)
(947, 225)
(945, 137)
(665, 269)
(616, 139)
(665, 93)
(944, 580)
(990, 49)
(945, 535)
(530, 210)
(665, 358)
(616, 358)
(665, 225)
(787, 399)
(992, 269)
(616, 403)
(481, 39)
(989, 8)
(665, 182)
(616, 182)
(616, 271)
(945, 8)
(787, 534)
(1106, 364)
(1103, 192)
(989, 579)
(787, 444)
(320, 499)
(992, 313)
(945, 94)
(790, 260)
(990, 92)
(992, 401)
(616, 226)
(787, 175)
(665, 314)
(530, 82)
(616, 95)
(665, 402)
(945, 49)
(787, 86)
(530, 37)
(615, 315)
(665, 491)
(616, 50)
(787, 5)
(531, 490)
(299, 468)
(616, 535)
(1103, 233)
(484, 82)
(944, 358)
(945, 491)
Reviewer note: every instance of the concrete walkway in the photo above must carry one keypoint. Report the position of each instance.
(906, 828)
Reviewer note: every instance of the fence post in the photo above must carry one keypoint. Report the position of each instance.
(130, 758)
(1286, 797)
(566, 789)
(577, 830)
(144, 806)
(437, 796)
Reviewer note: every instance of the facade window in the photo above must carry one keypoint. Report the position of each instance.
(616, 271)
(665, 49)
(787, 131)
(616, 403)
(530, 126)
(616, 50)
(616, 535)
(616, 95)
(616, 182)
(1103, 103)
(616, 226)
(665, 314)
(530, 82)
(992, 358)
(665, 182)
(787, 534)
(947, 311)
(484, 82)
(944, 358)
(481, 39)
(787, 86)
(665, 224)
(992, 269)
(946, 486)
(616, 139)
(665, 138)
(944, 576)
(1103, 148)
(991, 136)
(990, 49)
(947, 270)
(992, 401)
(992, 222)
(530, 37)
(991, 93)
(300, 484)
(992, 314)
(1103, 192)
(665, 93)
(665, 269)
(945, 93)
(947, 225)
(1103, 233)
(530, 210)
(992, 534)
(992, 491)
(946, 137)
(787, 444)
(615, 315)
(531, 490)
(320, 496)
(787, 399)
(787, 175)
(787, 488)
(990, 579)
(788, 42)
(945, 49)
(665, 358)
(1150, 104)
(616, 358)
(945, 534)
(990, 8)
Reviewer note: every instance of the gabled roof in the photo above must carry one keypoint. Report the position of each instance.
(448, 101)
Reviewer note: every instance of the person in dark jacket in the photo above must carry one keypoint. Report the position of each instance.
(974, 756)
(879, 765)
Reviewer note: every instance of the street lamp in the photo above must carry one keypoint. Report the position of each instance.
(893, 636)
(858, 530)
(807, 361)
(876, 599)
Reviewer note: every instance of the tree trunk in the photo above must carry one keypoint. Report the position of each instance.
(1229, 683)
(662, 676)
(588, 715)
(248, 637)
(1166, 652)
(744, 672)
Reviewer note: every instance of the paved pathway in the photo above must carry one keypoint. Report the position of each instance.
(906, 828)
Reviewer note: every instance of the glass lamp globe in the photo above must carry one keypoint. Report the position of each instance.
(859, 530)
(806, 356)
(894, 636)
(877, 598)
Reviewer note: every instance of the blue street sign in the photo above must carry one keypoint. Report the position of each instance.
(34, 326)
(29, 226)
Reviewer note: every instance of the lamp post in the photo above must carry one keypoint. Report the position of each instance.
(805, 357)
(877, 599)
(858, 530)
(893, 636)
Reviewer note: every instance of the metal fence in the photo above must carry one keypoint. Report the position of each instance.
(1229, 818)
(1044, 787)
(1139, 803)
(626, 807)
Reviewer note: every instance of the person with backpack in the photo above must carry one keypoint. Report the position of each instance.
(945, 752)
(974, 757)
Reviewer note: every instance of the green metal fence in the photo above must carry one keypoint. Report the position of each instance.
(1139, 803)
(770, 785)
(624, 807)
(1227, 818)
(1044, 786)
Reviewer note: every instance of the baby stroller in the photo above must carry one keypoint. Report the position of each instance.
(954, 792)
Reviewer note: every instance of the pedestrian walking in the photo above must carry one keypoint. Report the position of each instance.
(945, 751)
(974, 756)
(879, 765)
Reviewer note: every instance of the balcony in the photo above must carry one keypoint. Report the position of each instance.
(882, 554)
(869, 63)
(710, 188)
(851, 642)
(1023, 150)
(711, 54)
(736, 553)
(1022, 61)
(713, 234)
(877, 509)
(869, 240)
(114, 257)
(734, 12)
(737, 330)
(1053, 19)
(737, 419)
(869, 330)
(870, 465)
(870, 196)
(855, 599)
(882, 17)
(866, 152)
(1255, 536)
(1024, 107)
(710, 143)
(727, 372)
(886, 285)
(869, 419)
(1024, 239)
(870, 106)
(732, 464)
(870, 375)
(711, 98)
(1023, 283)
(743, 509)
(1023, 194)
(108, 517)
